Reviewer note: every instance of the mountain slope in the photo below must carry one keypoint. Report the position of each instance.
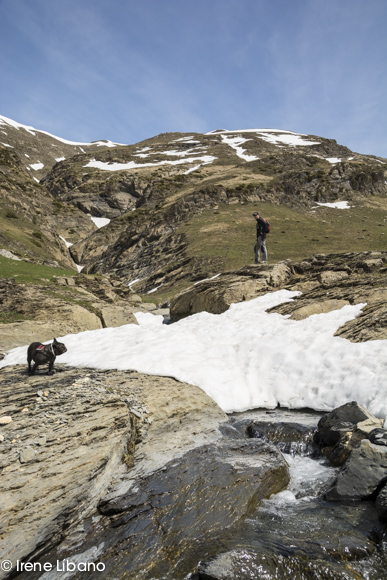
(180, 205)
(41, 150)
(151, 189)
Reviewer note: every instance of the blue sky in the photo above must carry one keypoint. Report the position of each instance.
(127, 70)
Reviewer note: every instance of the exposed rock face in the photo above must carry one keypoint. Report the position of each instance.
(217, 295)
(56, 431)
(68, 306)
(156, 481)
(322, 282)
(32, 218)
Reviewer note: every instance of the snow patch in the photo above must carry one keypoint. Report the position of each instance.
(37, 166)
(206, 159)
(294, 363)
(68, 244)
(336, 204)
(194, 168)
(33, 131)
(100, 222)
(235, 143)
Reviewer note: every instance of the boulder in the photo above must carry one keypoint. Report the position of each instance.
(364, 471)
(330, 278)
(341, 430)
(304, 540)
(320, 307)
(378, 436)
(113, 316)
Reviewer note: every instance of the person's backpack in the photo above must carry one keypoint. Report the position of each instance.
(266, 227)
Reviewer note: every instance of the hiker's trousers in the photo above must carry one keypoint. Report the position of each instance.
(260, 245)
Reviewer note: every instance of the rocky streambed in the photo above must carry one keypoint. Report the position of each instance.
(147, 478)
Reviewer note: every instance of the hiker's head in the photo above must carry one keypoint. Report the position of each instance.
(256, 215)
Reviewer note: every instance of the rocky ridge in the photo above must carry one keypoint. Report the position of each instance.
(66, 306)
(326, 283)
(40, 150)
(143, 450)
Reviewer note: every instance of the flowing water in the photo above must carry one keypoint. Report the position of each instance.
(296, 534)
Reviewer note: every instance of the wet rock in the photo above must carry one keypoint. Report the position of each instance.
(288, 437)
(164, 522)
(248, 565)
(381, 503)
(364, 471)
(378, 436)
(341, 430)
(306, 541)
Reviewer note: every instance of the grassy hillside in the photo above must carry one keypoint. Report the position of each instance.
(229, 232)
(29, 273)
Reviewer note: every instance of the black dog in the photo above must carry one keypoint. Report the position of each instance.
(42, 354)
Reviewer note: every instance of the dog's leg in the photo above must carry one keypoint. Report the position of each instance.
(51, 367)
(29, 358)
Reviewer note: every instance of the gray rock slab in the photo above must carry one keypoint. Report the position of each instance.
(361, 475)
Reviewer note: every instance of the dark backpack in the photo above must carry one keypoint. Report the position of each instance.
(266, 226)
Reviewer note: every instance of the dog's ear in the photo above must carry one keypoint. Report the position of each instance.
(55, 341)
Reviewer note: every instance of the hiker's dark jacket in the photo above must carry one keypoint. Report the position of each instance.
(261, 228)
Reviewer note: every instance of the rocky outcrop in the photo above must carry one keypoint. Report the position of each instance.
(151, 189)
(67, 306)
(118, 467)
(363, 473)
(32, 220)
(217, 295)
(341, 430)
(353, 438)
(326, 283)
(59, 428)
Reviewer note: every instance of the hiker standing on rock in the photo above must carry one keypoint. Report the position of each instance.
(261, 239)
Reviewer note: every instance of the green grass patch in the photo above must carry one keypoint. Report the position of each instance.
(29, 273)
(229, 232)
(9, 317)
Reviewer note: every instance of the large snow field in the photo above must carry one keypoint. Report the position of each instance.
(244, 358)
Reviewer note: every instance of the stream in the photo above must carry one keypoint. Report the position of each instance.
(296, 534)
